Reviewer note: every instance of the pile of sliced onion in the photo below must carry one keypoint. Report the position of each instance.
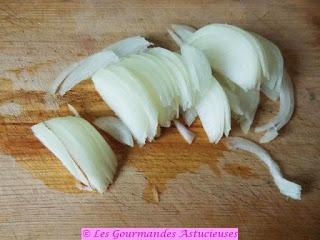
(147, 89)
(220, 68)
(244, 63)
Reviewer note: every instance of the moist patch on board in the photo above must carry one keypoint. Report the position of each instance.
(10, 109)
(36, 77)
(32, 77)
(238, 170)
(165, 158)
(51, 102)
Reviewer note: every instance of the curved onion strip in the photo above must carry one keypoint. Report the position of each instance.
(287, 188)
(184, 132)
(213, 106)
(169, 77)
(165, 75)
(124, 102)
(230, 53)
(175, 76)
(273, 68)
(73, 110)
(80, 148)
(115, 128)
(284, 114)
(86, 69)
(214, 113)
(152, 78)
(129, 81)
(175, 37)
(55, 85)
(199, 70)
(130, 45)
(148, 72)
(183, 31)
(179, 71)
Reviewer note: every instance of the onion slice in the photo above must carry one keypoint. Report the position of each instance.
(175, 37)
(184, 132)
(212, 104)
(116, 128)
(272, 66)
(199, 70)
(287, 188)
(284, 114)
(230, 53)
(122, 99)
(153, 77)
(183, 31)
(179, 73)
(80, 148)
(85, 68)
(130, 45)
(55, 85)
(214, 113)
(73, 110)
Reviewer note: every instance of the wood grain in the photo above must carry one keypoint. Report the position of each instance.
(168, 182)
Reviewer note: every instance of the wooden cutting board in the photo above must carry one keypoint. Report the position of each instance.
(167, 182)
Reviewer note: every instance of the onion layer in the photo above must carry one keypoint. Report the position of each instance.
(287, 188)
(184, 132)
(116, 128)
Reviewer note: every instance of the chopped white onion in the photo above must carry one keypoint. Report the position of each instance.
(214, 113)
(130, 45)
(273, 68)
(287, 188)
(116, 128)
(73, 110)
(55, 85)
(85, 68)
(183, 31)
(184, 132)
(175, 37)
(271, 134)
(80, 148)
(284, 114)
(212, 104)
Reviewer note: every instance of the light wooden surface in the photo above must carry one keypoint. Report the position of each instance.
(198, 185)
